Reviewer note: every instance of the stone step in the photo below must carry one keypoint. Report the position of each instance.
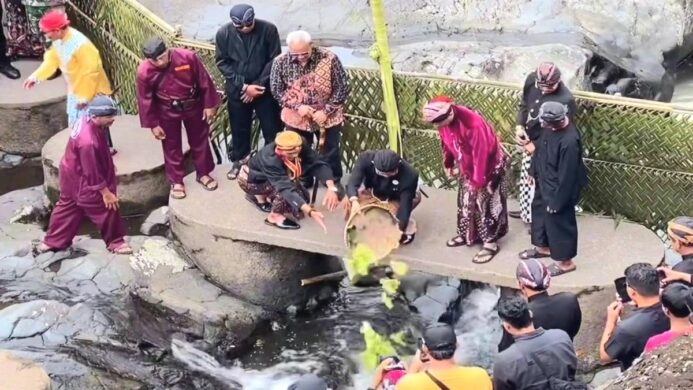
(142, 183)
(206, 221)
(28, 118)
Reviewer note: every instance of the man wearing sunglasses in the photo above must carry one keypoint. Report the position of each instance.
(542, 85)
(245, 49)
(311, 86)
(385, 178)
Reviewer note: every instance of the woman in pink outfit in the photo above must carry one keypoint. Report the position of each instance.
(472, 152)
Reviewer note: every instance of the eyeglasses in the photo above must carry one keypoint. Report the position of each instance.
(243, 24)
(296, 56)
(386, 174)
(545, 85)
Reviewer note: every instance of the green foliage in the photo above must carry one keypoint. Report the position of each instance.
(360, 262)
(377, 346)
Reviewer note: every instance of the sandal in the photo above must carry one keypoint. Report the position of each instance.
(235, 170)
(407, 238)
(123, 249)
(532, 254)
(456, 241)
(286, 224)
(177, 193)
(41, 247)
(555, 270)
(265, 207)
(209, 184)
(485, 255)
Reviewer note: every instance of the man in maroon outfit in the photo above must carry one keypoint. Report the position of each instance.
(174, 88)
(88, 183)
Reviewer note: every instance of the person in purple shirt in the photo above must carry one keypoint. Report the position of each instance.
(88, 183)
(174, 89)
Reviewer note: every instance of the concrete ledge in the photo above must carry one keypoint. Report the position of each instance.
(142, 184)
(29, 118)
(605, 248)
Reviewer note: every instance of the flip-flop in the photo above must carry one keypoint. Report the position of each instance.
(407, 238)
(455, 242)
(265, 207)
(514, 214)
(177, 193)
(123, 249)
(485, 255)
(286, 224)
(532, 254)
(209, 185)
(555, 270)
(232, 174)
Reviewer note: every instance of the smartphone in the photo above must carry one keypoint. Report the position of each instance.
(620, 284)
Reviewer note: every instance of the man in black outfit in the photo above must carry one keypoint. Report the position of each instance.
(245, 49)
(557, 311)
(624, 341)
(6, 67)
(536, 355)
(559, 174)
(542, 85)
(385, 177)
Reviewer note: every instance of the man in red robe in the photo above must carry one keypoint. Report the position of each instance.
(174, 88)
(88, 183)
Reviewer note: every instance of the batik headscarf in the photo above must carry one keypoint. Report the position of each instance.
(534, 274)
(681, 229)
(289, 142)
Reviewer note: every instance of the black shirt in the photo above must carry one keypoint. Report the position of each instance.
(631, 335)
(266, 166)
(532, 99)
(558, 168)
(400, 187)
(558, 311)
(246, 58)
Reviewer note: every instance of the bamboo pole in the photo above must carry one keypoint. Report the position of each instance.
(382, 55)
(331, 277)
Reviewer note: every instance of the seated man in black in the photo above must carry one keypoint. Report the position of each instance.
(385, 177)
(624, 341)
(558, 311)
(272, 181)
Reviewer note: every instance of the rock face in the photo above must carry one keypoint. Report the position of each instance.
(156, 223)
(29, 118)
(22, 374)
(260, 274)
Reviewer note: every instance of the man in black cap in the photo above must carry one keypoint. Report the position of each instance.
(536, 355)
(434, 366)
(542, 85)
(245, 49)
(386, 178)
(559, 174)
(6, 67)
(557, 311)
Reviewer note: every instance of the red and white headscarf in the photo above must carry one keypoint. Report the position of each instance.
(534, 274)
(437, 109)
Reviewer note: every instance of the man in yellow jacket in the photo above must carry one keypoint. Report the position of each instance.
(78, 59)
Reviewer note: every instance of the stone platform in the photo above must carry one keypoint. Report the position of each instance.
(224, 216)
(142, 184)
(28, 118)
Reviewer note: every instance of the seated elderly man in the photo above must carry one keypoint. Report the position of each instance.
(311, 87)
(272, 181)
(386, 178)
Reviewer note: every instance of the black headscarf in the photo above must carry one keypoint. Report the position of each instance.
(153, 48)
(386, 160)
(242, 15)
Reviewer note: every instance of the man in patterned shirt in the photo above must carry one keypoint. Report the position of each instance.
(311, 86)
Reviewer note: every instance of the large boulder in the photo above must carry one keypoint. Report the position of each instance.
(29, 118)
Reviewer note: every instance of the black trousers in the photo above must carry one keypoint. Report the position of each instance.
(557, 231)
(3, 44)
(241, 121)
(331, 154)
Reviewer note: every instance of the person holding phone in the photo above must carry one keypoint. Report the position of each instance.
(624, 340)
(245, 49)
(542, 85)
(434, 367)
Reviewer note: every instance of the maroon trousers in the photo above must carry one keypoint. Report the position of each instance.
(67, 216)
(197, 131)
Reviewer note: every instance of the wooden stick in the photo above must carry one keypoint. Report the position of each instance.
(324, 278)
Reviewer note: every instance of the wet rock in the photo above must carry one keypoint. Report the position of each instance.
(155, 253)
(12, 160)
(208, 311)
(22, 374)
(156, 223)
(30, 319)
